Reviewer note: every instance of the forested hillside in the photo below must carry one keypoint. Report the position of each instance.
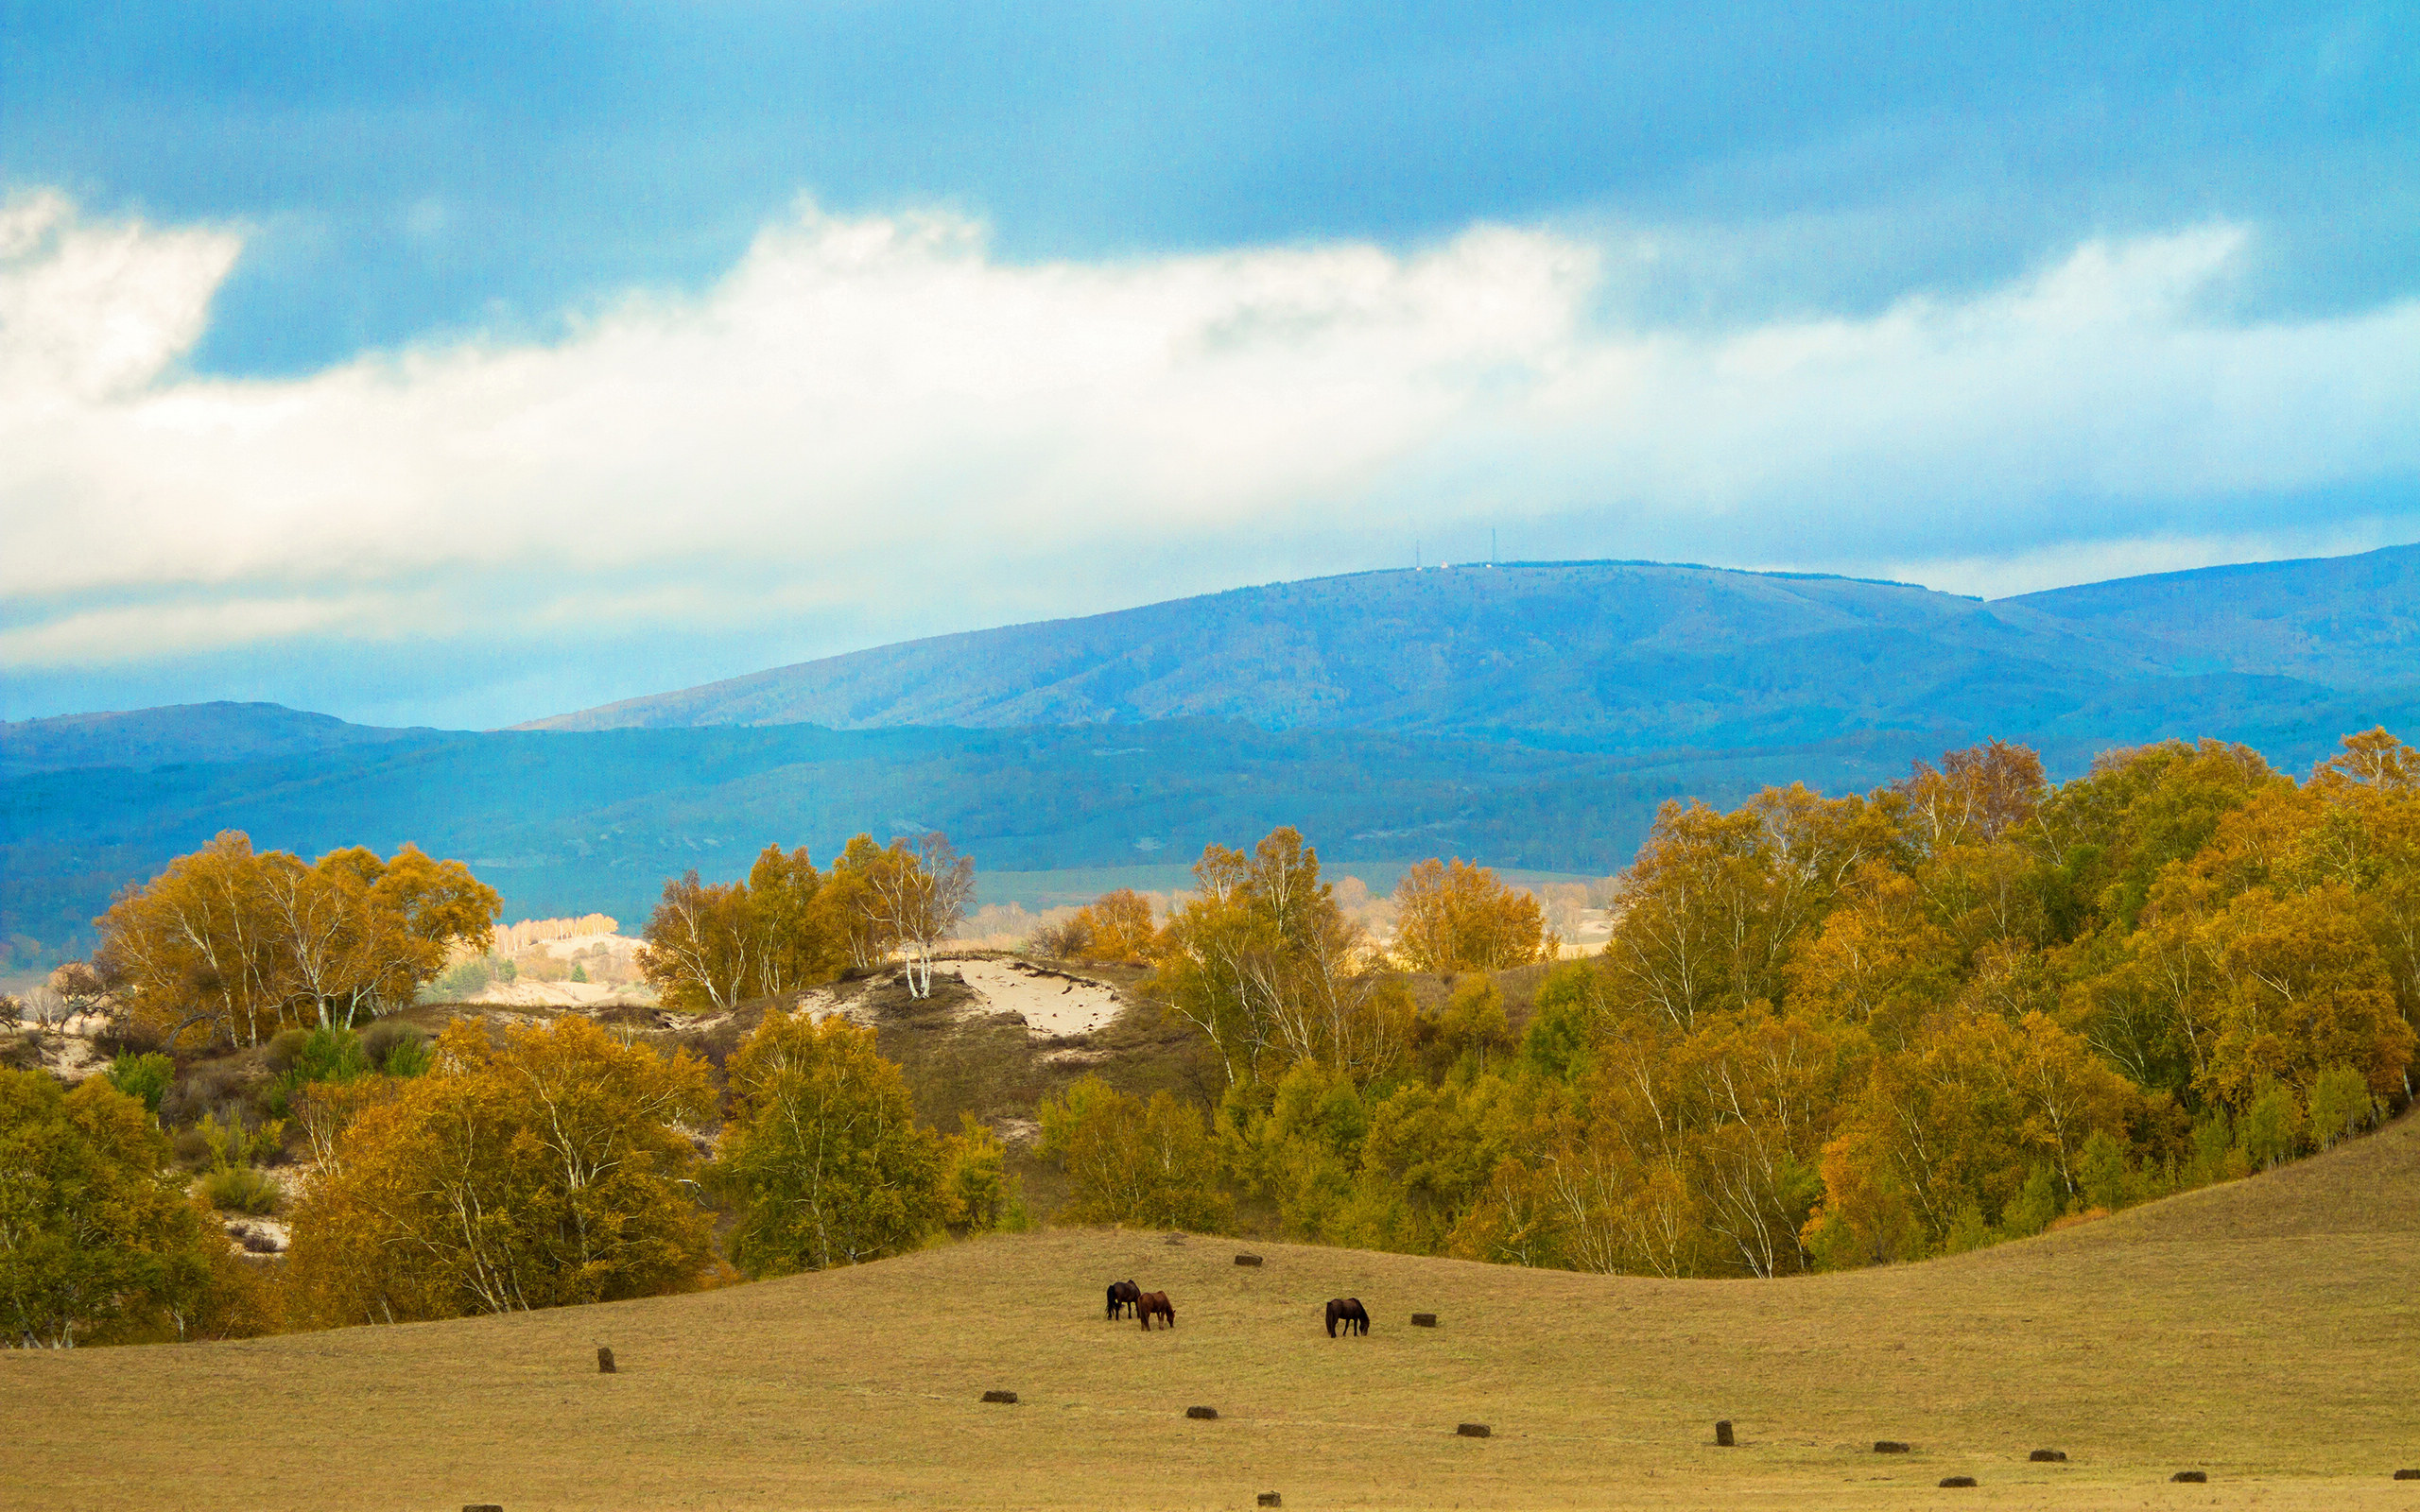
(1826, 1032)
(1644, 656)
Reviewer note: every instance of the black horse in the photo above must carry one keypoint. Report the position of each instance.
(1349, 1311)
(1122, 1298)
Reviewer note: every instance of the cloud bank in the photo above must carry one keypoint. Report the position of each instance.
(873, 427)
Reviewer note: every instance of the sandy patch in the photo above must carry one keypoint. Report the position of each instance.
(823, 1003)
(257, 1236)
(571, 945)
(528, 994)
(1053, 1003)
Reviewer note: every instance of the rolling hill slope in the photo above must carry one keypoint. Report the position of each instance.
(2260, 1332)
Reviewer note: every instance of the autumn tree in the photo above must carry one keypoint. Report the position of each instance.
(241, 943)
(710, 948)
(823, 1153)
(1116, 926)
(1455, 917)
(915, 896)
(552, 1168)
(1266, 965)
(703, 945)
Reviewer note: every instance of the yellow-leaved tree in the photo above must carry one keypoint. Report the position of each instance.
(549, 1169)
(240, 943)
(1451, 916)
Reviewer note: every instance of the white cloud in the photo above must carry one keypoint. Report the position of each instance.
(872, 422)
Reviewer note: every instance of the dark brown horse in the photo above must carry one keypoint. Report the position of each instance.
(1154, 1304)
(1122, 1298)
(1349, 1311)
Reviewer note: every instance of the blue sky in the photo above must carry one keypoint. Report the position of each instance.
(466, 364)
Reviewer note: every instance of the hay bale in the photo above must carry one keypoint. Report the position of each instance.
(2049, 1456)
(1206, 1414)
(1271, 1499)
(1424, 1320)
(2191, 1477)
(604, 1361)
(1010, 1397)
(1722, 1434)
(1471, 1430)
(2407, 1475)
(1247, 1260)
(1948, 1481)
(1889, 1445)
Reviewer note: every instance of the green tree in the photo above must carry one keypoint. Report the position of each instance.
(1150, 1165)
(823, 1153)
(94, 1237)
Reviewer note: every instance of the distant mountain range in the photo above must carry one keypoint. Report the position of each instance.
(1638, 656)
(1530, 715)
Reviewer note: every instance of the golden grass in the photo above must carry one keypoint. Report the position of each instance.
(2263, 1332)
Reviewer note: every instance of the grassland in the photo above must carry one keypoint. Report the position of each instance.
(2261, 1332)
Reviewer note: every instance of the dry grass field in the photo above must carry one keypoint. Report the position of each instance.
(2262, 1332)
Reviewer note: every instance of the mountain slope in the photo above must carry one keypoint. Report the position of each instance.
(2343, 620)
(144, 738)
(1625, 657)
(2255, 1331)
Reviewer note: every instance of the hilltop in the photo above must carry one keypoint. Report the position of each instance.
(177, 733)
(2258, 1331)
(1632, 657)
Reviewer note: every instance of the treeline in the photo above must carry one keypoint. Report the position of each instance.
(1825, 1031)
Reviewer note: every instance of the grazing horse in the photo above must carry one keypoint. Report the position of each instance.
(1349, 1311)
(1122, 1295)
(1154, 1304)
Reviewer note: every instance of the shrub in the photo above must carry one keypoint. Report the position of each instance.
(462, 980)
(329, 1053)
(284, 1048)
(236, 1140)
(1061, 940)
(241, 1189)
(396, 1049)
(146, 1079)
